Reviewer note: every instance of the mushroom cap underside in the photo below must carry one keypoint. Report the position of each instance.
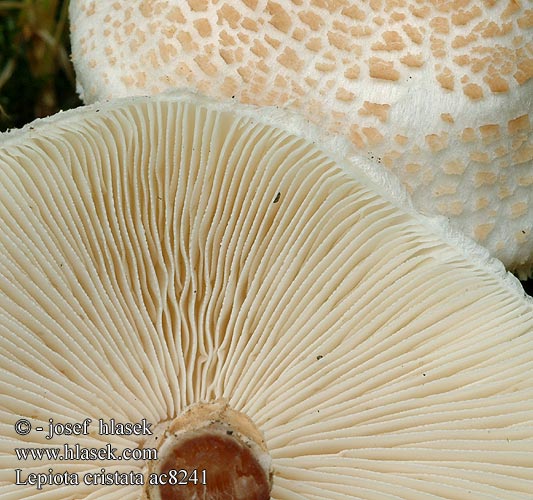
(162, 252)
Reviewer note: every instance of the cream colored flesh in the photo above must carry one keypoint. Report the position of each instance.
(158, 253)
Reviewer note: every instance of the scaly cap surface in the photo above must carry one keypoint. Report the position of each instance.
(438, 92)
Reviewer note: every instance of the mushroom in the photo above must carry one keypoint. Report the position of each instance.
(440, 93)
(197, 277)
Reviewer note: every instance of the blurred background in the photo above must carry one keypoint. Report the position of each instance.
(36, 75)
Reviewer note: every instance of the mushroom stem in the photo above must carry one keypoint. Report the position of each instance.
(210, 451)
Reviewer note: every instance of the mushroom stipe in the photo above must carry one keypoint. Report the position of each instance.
(147, 274)
(223, 444)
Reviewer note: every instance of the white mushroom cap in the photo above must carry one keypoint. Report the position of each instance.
(161, 252)
(440, 93)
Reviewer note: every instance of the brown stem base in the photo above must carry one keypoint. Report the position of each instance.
(210, 452)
